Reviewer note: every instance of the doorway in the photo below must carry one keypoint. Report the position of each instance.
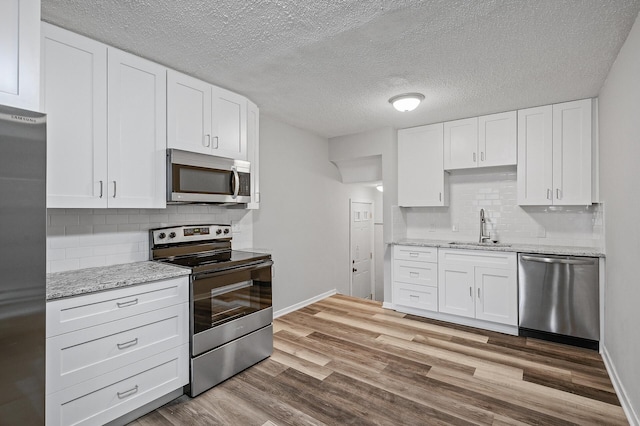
(361, 249)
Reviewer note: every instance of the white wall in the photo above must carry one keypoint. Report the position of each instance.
(620, 174)
(84, 238)
(496, 193)
(304, 214)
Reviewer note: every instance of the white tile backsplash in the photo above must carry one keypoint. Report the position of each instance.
(83, 238)
(496, 192)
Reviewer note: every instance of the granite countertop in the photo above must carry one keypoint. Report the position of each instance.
(508, 247)
(90, 280)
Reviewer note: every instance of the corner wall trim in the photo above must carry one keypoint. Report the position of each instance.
(632, 416)
(304, 303)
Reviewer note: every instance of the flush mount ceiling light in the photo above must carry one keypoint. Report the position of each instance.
(407, 101)
(379, 188)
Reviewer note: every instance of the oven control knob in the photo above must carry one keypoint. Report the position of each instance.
(172, 234)
(162, 235)
(226, 230)
(218, 231)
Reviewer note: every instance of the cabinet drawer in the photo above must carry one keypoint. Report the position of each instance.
(112, 395)
(420, 273)
(419, 254)
(492, 259)
(87, 353)
(415, 296)
(74, 313)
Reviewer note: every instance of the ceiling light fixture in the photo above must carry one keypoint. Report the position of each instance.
(406, 101)
(379, 188)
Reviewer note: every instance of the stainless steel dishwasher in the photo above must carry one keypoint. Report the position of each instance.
(559, 299)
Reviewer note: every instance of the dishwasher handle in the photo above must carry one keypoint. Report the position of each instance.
(558, 260)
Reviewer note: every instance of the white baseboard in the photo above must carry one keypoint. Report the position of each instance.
(304, 303)
(388, 305)
(632, 416)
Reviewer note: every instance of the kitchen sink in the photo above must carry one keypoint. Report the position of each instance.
(468, 243)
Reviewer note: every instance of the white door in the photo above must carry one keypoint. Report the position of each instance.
(455, 290)
(535, 156)
(137, 99)
(361, 249)
(188, 113)
(74, 97)
(229, 123)
(496, 295)
(461, 144)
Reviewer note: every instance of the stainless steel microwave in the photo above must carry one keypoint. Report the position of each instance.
(202, 178)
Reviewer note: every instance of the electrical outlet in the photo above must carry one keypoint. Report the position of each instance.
(542, 233)
(235, 227)
(454, 227)
(432, 227)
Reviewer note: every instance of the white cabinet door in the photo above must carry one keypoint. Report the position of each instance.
(188, 113)
(73, 95)
(535, 156)
(461, 144)
(253, 152)
(229, 124)
(421, 177)
(497, 139)
(572, 153)
(136, 131)
(20, 53)
(496, 295)
(455, 290)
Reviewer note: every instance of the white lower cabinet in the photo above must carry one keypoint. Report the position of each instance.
(478, 284)
(131, 351)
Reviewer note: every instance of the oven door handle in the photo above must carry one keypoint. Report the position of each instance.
(249, 267)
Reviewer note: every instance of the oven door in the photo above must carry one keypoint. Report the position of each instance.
(193, 177)
(229, 304)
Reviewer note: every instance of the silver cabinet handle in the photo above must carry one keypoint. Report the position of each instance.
(474, 157)
(207, 140)
(414, 254)
(414, 274)
(558, 194)
(470, 292)
(127, 303)
(558, 260)
(215, 139)
(236, 181)
(122, 395)
(414, 297)
(482, 156)
(115, 188)
(478, 293)
(439, 196)
(101, 188)
(548, 194)
(127, 344)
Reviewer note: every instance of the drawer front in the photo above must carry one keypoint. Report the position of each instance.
(418, 254)
(491, 259)
(74, 313)
(112, 395)
(87, 353)
(415, 296)
(420, 273)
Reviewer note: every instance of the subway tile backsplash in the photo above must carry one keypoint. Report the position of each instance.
(496, 192)
(83, 238)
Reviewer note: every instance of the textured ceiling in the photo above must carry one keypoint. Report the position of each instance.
(331, 66)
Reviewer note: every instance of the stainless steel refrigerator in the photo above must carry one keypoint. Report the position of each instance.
(22, 266)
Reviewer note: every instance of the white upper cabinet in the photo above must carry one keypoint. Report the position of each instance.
(204, 118)
(485, 141)
(20, 53)
(253, 152)
(137, 131)
(497, 139)
(461, 144)
(73, 95)
(421, 177)
(555, 154)
(101, 158)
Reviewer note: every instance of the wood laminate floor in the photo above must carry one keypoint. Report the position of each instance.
(349, 361)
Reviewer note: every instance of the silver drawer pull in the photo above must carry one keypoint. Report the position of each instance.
(414, 297)
(127, 303)
(413, 254)
(414, 274)
(123, 395)
(127, 344)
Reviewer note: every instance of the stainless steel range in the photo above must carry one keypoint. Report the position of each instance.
(230, 300)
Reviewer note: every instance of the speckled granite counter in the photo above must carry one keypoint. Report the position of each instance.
(519, 248)
(90, 280)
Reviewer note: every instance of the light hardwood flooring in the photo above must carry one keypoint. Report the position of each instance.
(349, 361)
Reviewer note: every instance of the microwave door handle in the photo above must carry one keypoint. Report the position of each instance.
(236, 181)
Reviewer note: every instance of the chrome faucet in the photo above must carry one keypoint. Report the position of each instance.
(483, 237)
